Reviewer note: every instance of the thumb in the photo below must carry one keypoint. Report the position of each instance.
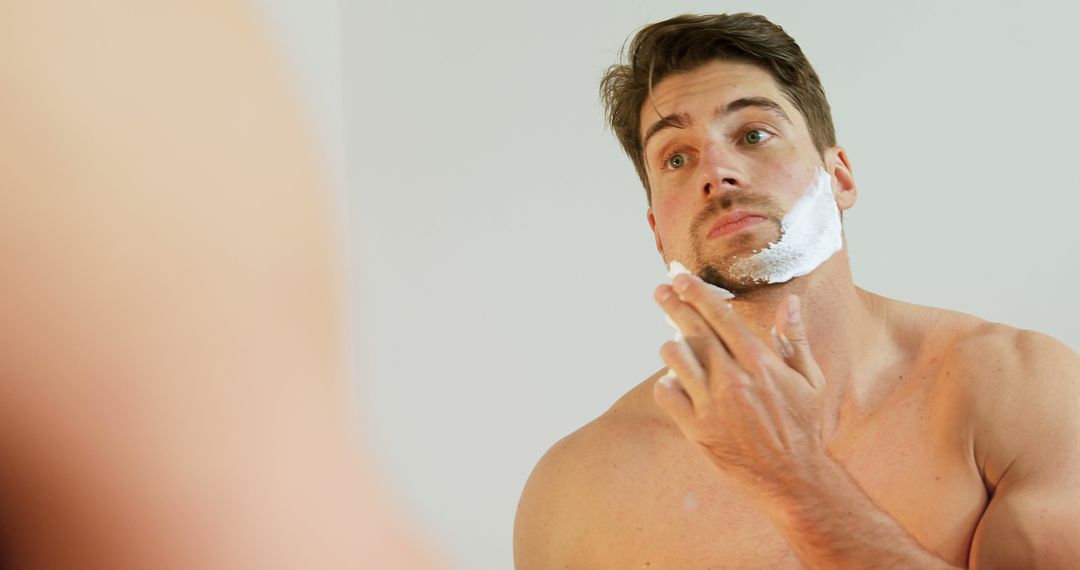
(792, 343)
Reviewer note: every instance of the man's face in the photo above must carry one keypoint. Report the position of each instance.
(731, 144)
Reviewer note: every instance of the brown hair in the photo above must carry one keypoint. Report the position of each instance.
(683, 43)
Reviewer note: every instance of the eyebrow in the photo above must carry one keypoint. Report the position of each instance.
(681, 120)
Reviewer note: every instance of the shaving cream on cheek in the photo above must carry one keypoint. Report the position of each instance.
(810, 234)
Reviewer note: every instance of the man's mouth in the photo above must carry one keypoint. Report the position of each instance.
(734, 222)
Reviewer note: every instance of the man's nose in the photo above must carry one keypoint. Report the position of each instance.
(719, 173)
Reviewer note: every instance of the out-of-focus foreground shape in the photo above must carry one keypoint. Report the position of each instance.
(172, 382)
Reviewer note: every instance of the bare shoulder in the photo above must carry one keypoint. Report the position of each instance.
(1016, 393)
(1005, 361)
(987, 354)
(574, 488)
(1012, 390)
(1025, 388)
(998, 351)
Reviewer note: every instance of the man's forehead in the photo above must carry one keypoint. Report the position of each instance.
(714, 85)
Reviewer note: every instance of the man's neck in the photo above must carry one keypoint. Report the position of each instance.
(844, 326)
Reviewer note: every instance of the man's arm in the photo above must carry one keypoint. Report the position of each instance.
(1028, 439)
(555, 507)
(1027, 420)
(830, 522)
(536, 517)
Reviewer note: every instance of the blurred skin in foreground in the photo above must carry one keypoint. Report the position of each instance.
(173, 392)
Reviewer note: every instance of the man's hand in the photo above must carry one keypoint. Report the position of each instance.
(755, 415)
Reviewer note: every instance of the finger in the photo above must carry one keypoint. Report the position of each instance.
(701, 338)
(672, 398)
(712, 306)
(684, 366)
(790, 334)
(675, 269)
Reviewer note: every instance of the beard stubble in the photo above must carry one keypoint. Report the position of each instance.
(715, 261)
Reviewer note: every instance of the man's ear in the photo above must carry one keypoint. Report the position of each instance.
(656, 234)
(843, 179)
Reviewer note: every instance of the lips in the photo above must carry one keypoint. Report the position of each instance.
(734, 221)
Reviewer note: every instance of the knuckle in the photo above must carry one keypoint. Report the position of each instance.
(756, 358)
(696, 336)
(706, 418)
(725, 385)
(693, 289)
(669, 349)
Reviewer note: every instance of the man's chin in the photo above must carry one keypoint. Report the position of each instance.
(737, 284)
(727, 262)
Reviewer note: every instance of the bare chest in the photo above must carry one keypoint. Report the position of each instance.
(674, 510)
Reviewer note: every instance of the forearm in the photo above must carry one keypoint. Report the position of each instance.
(831, 523)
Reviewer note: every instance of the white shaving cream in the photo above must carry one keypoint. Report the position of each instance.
(810, 234)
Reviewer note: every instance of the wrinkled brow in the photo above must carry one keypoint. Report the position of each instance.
(681, 120)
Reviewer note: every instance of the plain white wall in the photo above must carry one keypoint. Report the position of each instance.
(506, 267)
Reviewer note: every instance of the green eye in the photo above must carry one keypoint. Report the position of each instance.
(755, 136)
(677, 160)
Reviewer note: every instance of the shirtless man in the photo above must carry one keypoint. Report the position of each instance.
(910, 437)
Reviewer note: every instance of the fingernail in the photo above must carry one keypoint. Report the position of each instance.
(663, 294)
(793, 311)
(667, 379)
